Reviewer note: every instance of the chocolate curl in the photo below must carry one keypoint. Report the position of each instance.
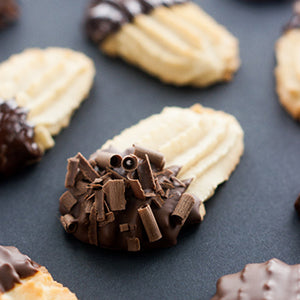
(145, 174)
(72, 170)
(85, 167)
(93, 228)
(133, 244)
(99, 204)
(115, 194)
(66, 202)
(183, 208)
(69, 223)
(155, 157)
(124, 227)
(130, 163)
(159, 202)
(109, 218)
(136, 188)
(149, 223)
(107, 160)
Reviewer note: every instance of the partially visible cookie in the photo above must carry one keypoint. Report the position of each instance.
(206, 143)
(272, 280)
(39, 89)
(23, 279)
(174, 40)
(287, 71)
(9, 12)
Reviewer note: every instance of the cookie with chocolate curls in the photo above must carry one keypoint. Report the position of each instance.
(272, 280)
(126, 201)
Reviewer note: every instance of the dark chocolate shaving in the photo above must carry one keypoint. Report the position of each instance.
(146, 175)
(155, 157)
(128, 210)
(71, 171)
(17, 146)
(99, 204)
(115, 194)
(129, 163)
(69, 223)
(86, 168)
(14, 266)
(66, 202)
(107, 160)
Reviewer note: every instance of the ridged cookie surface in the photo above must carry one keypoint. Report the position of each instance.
(51, 83)
(178, 43)
(39, 286)
(287, 71)
(207, 144)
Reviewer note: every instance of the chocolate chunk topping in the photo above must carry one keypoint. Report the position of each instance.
(17, 146)
(272, 280)
(105, 17)
(13, 267)
(128, 209)
(9, 12)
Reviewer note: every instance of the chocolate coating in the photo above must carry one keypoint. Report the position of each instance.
(272, 280)
(122, 228)
(17, 146)
(294, 22)
(14, 266)
(105, 17)
(9, 12)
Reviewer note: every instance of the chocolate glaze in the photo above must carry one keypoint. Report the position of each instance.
(110, 236)
(17, 146)
(14, 266)
(9, 12)
(107, 16)
(272, 280)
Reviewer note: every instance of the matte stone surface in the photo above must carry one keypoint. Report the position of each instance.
(250, 219)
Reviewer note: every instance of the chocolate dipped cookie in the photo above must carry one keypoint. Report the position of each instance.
(143, 186)
(39, 91)
(287, 71)
(9, 12)
(22, 278)
(272, 280)
(174, 40)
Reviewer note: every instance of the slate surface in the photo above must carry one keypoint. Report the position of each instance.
(250, 218)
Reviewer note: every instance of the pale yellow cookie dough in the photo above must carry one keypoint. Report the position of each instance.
(287, 71)
(208, 144)
(181, 45)
(51, 83)
(40, 286)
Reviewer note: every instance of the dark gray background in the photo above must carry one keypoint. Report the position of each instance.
(250, 218)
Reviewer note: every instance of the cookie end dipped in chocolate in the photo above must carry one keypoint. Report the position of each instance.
(9, 12)
(272, 280)
(126, 201)
(17, 146)
(105, 17)
(14, 266)
(294, 22)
